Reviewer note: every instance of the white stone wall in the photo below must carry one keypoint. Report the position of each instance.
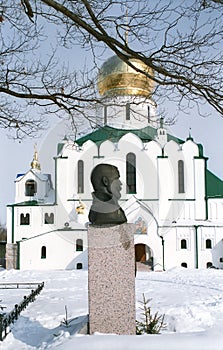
(157, 177)
(215, 209)
(9, 224)
(199, 175)
(157, 187)
(43, 187)
(173, 254)
(215, 234)
(116, 112)
(60, 251)
(36, 226)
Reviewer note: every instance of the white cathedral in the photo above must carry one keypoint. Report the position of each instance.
(175, 202)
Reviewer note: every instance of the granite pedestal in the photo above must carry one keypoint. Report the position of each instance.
(11, 256)
(111, 281)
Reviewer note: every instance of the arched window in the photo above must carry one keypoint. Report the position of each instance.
(80, 176)
(24, 219)
(43, 252)
(209, 264)
(30, 188)
(184, 264)
(183, 244)
(181, 176)
(131, 173)
(49, 218)
(79, 266)
(79, 245)
(127, 111)
(208, 244)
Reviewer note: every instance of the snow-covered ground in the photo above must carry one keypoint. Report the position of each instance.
(192, 301)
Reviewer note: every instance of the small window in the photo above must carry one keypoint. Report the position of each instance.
(43, 252)
(184, 264)
(148, 110)
(221, 260)
(130, 173)
(208, 244)
(49, 218)
(209, 265)
(79, 245)
(30, 188)
(127, 111)
(183, 244)
(80, 176)
(24, 219)
(105, 115)
(181, 176)
(79, 266)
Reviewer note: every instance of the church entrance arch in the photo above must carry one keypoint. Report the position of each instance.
(144, 254)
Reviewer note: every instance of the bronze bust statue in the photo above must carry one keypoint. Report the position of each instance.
(107, 191)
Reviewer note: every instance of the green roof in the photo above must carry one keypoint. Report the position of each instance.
(21, 204)
(59, 147)
(30, 204)
(108, 133)
(214, 185)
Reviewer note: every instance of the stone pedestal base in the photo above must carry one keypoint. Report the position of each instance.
(11, 256)
(111, 281)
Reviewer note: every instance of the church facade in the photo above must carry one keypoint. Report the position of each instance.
(175, 202)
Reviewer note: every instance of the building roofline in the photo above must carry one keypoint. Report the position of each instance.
(106, 132)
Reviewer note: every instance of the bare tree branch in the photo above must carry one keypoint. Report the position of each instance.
(28, 9)
(181, 43)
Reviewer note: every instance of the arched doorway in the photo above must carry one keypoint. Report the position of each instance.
(140, 252)
(143, 256)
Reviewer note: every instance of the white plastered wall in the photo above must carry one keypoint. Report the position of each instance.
(60, 251)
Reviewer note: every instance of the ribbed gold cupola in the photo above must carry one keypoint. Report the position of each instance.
(35, 162)
(118, 78)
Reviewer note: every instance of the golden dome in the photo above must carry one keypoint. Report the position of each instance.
(118, 78)
(35, 162)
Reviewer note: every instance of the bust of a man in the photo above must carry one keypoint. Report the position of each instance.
(107, 191)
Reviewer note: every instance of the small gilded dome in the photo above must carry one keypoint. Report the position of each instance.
(118, 78)
(80, 208)
(35, 162)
